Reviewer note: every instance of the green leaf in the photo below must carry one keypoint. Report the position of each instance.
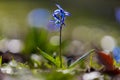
(48, 57)
(81, 58)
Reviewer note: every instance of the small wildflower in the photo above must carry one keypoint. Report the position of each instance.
(116, 54)
(59, 16)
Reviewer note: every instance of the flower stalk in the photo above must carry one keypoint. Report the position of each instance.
(60, 53)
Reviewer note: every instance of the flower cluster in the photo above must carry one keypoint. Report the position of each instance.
(59, 16)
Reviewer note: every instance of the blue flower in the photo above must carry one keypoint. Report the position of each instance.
(59, 16)
(116, 54)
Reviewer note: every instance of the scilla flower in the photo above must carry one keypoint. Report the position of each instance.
(116, 54)
(59, 16)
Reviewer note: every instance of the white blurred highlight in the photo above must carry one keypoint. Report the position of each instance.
(54, 40)
(92, 76)
(66, 71)
(14, 46)
(7, 70)
(35, 57)
(108, 43)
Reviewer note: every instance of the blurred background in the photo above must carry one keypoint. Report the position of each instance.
(23, 25)
(24, 28)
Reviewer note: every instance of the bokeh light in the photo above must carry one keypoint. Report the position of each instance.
(76, 47)
(54, 40)
(14, 45)
(36, 57)
(117, 14)
(92, 76)
(38, 17)
(108, 43)
(116, 54)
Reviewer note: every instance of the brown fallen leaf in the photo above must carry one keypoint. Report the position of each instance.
(107, 61)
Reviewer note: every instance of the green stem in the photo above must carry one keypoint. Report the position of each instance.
(0, 61)
(60, 54)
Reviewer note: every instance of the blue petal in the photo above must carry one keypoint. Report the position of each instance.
(57, 11)
(58, 25)
(57, 14)
(51, 26)
(67, 13)
(59, 7)
(59, 18)
(56, 18)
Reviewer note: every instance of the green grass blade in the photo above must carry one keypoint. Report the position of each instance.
(48, 57)
(81, 58)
